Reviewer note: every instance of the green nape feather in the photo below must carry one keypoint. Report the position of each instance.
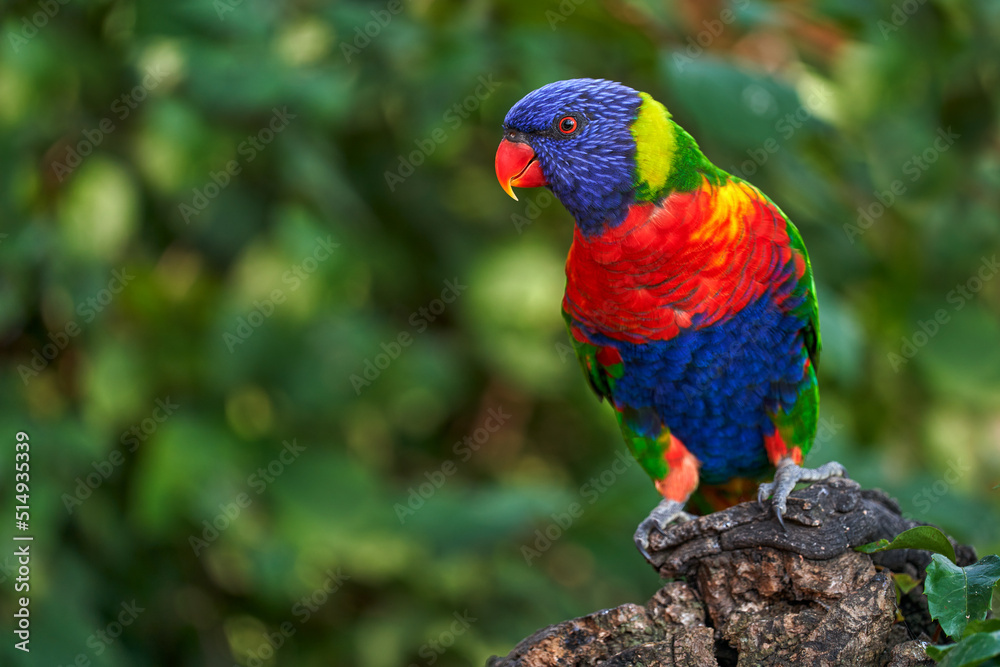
(655, 145)
(667, 158)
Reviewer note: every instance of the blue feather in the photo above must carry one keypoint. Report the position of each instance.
(714, 387)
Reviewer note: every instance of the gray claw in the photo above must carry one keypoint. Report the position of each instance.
(786, 477)
(663, 514)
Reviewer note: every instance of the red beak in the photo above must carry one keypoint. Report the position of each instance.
(517, 165)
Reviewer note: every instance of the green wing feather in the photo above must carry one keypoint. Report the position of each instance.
(809, 309)
(634, 423)
(798, 427)
(600, 378)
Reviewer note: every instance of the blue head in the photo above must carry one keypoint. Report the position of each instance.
(576, 137)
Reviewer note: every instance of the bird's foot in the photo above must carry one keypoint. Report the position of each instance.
(664, 513)
(787, 476)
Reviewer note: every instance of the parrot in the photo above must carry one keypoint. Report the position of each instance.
(690, 301)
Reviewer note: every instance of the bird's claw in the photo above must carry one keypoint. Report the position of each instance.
(663, 514)
(786, 477)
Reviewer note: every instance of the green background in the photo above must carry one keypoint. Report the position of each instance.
(252, 298)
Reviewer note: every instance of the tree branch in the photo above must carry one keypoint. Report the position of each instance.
(745, 592)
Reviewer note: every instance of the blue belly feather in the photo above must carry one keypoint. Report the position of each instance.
(715, 386)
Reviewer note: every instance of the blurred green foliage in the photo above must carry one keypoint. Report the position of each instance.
(281, 187)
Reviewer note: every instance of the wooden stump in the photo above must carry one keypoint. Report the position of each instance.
(747, 593)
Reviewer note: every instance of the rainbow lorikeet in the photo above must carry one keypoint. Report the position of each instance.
(689, 298)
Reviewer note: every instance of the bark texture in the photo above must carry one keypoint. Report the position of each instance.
(747, 593)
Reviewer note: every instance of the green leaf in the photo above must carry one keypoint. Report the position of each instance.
(971, 651)
(957, 595)
(921, 537)
(989, 625)
(904, 582)
(938, 651)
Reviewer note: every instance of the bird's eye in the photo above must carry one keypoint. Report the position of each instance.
(568, 125)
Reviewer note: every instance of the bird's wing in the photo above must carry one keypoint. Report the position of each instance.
(798, 414)
(809, 309)
(600, 368)
(643, 430)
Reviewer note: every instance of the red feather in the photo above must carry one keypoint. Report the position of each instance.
(695, 259)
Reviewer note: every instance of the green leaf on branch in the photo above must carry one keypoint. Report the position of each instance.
(920, 537)
(973, 650)
(904, 582)
(957, 595)
(989, 625)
